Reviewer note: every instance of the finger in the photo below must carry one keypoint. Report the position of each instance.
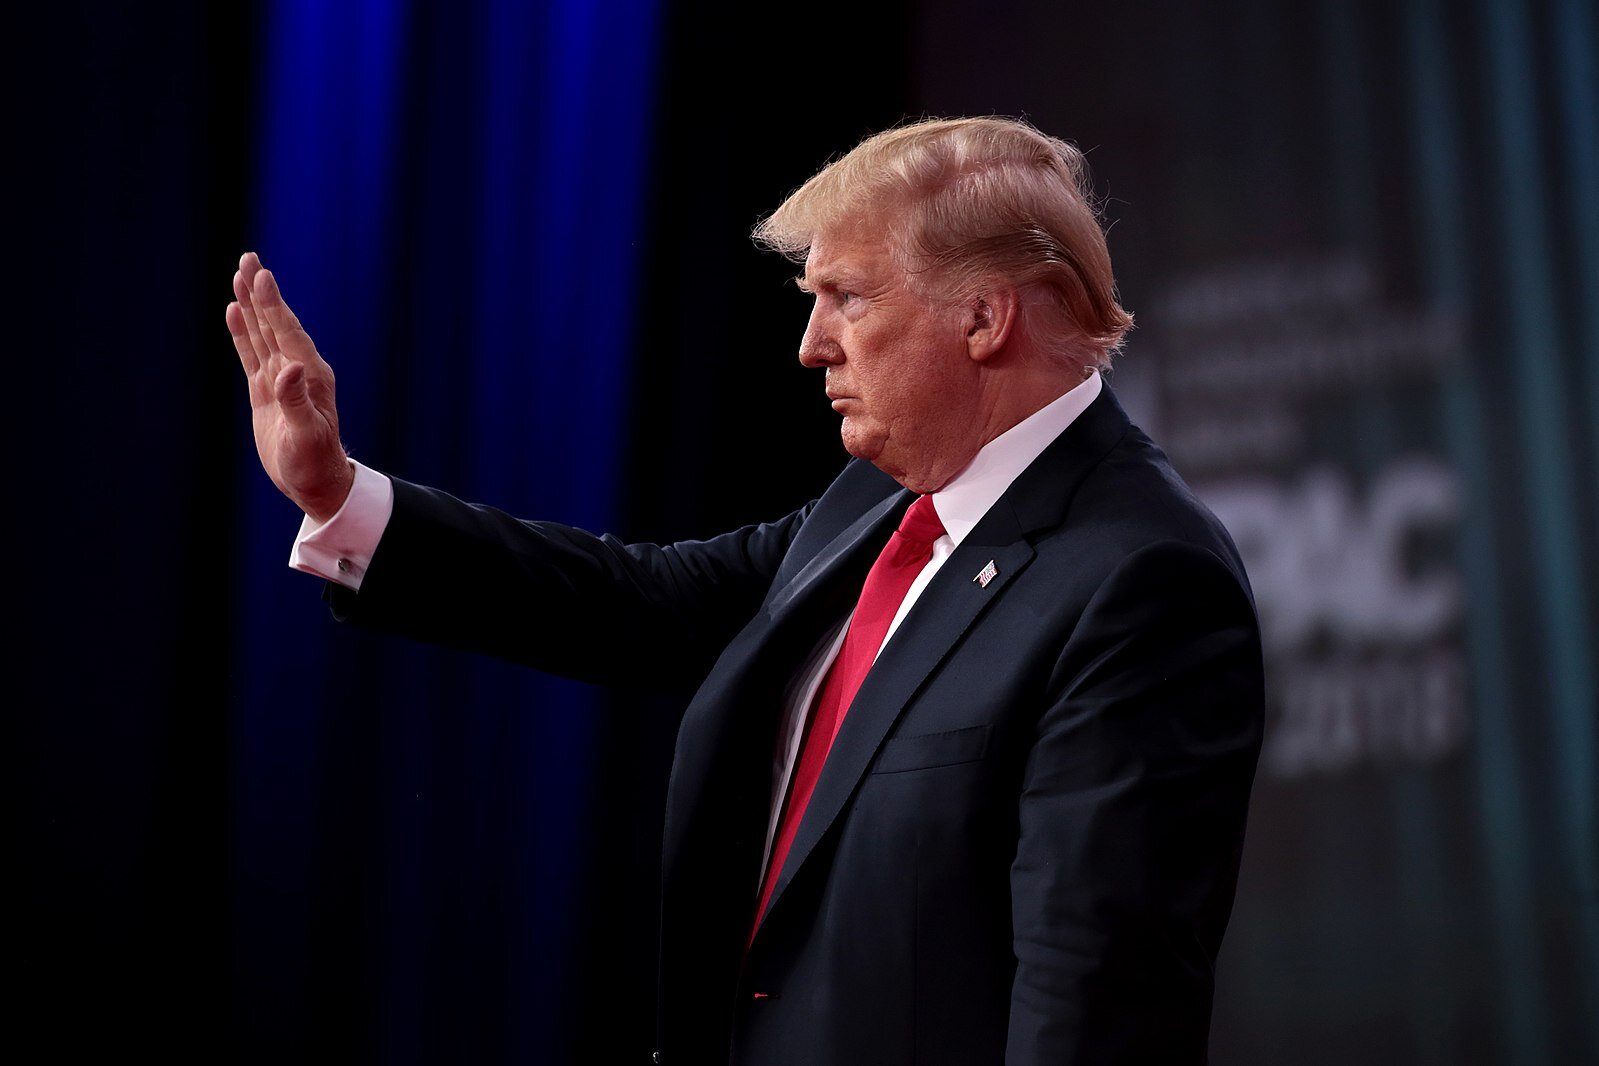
(241, 339)
(252, 326)
(284, 333)
(251, 269)
(258, 297)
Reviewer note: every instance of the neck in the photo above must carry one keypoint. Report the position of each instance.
(1003, 401)
(1024, 397)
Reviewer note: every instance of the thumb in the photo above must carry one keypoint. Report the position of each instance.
(293, 396)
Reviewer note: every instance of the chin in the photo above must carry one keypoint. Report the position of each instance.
(860, 444)
(875, 451)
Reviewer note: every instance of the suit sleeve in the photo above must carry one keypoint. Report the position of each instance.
(1132, 816)
(558, 598)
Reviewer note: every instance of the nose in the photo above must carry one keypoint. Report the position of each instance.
(818, 348)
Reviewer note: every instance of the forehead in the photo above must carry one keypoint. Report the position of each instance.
(849, 256)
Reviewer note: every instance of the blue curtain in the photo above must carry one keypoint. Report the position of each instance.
(452, 201)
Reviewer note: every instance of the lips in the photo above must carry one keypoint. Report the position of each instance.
(835, 395)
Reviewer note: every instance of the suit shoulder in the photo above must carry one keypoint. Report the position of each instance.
(1134, 499)
(859, 487)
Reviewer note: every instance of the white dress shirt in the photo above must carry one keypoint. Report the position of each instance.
(341, 549)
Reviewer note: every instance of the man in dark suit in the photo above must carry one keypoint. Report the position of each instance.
(966, 773)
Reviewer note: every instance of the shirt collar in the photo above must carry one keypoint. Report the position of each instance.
(964, 501)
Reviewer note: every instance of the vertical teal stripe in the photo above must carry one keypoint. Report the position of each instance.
(1567, 642)
(1576, 46)
(1501, 797)
(1431, 983)
(1576, 49)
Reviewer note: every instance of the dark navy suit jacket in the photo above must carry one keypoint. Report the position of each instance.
(1024, 844)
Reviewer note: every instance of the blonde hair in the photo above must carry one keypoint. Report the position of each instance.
(966, 202)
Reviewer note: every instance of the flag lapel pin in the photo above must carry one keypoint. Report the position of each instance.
(986, 574)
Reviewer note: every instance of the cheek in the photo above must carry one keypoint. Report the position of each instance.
(909, 378)
(884, 364)
(887, 390)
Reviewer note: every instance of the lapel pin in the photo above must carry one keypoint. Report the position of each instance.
(986, 574)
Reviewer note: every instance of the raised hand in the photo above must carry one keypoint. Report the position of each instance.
(291, 395)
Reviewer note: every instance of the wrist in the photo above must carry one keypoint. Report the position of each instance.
(327, 504)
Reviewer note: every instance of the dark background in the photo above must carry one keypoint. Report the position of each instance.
(1362, 241)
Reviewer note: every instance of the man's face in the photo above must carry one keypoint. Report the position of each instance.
(896, 362)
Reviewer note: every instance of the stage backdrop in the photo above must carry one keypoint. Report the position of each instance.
(453, 198)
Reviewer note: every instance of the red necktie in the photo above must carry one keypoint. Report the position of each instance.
(903, 557)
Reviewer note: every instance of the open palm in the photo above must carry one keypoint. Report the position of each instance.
(291, 395)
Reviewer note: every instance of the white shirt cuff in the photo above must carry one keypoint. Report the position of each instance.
(341, 548)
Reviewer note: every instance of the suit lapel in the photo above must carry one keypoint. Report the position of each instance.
(872, 530)
(726, 730)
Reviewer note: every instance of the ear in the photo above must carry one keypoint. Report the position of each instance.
(990, 319)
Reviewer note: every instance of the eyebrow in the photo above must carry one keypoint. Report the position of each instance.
(824, 281)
